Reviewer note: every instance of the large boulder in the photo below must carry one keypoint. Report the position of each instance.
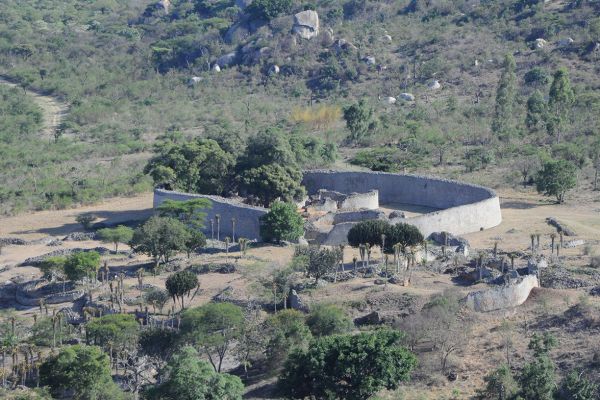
(306, 24)
(407, 96)
(540, 43)
(434, 85)
(504, 297)
(226, 60)
(445, 238)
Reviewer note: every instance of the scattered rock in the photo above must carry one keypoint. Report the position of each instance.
(387, 38)
(434, 85)
(560, 226)
(226, 60)
(327, 37)
(370, 60)
(216, 68)
(390, 100)
(165, 5)
(445, 238)
(373, 318)
(194, 80)
(560, 278)
(535, 266)
(342, 45)
(80, 236)
(595, 291)
(407, 96)
(380, 281)
(9, 241)
(397, 214)
(463, 250)
(302, 242)
(574, 243)
(306, 24)
(539, 43)
(296, 302)
(566, 42)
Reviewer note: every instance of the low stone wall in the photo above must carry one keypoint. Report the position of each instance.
(503, 297)
(356, 216)
(247, 217)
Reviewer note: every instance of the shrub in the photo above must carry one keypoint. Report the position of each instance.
(282, 222)
(352, 367)
(325, 320)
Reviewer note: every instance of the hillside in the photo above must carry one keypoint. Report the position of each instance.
(133, 71)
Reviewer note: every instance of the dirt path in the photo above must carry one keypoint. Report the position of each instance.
(53, 109)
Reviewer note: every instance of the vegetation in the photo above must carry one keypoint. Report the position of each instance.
(282, 222)
(556, 178)
(159, 238)
(82, 265)
(348, 366)
(325, 320)
(120, 234)
(186, 377)
(180, 284)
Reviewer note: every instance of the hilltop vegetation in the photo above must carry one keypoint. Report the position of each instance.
(126, 70)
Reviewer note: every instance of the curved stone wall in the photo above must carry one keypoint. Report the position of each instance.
(246, 217)
(503, 297)
(462, 207)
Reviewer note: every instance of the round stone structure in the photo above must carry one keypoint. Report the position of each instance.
(459, 207)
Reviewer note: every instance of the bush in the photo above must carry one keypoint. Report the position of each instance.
(269, 9)
(118, 330)
(352, 367)
(282, 222)
(286, 331)
(325, 320)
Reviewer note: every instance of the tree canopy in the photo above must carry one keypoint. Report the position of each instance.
(180, 284)
(282, 222)
(347, 366)
(120, 234)
(82, 265)
(556, 178)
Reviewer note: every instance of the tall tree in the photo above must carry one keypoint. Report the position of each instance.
(120, 234)
(190, 212)
(502, 124)
(560, 103)
(556, 178)
(159, 238)
(187, 377)
(213, 328)
(536, 111)
(180, 284)
(359, 120)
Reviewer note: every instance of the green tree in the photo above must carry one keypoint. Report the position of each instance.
(187, 377)
(500, 385)
(118, 330)
(352, 367)
(269, 9)
(359, 120)
(273, 181)
(560, 102)
(317, 261)
(189, 212)
(328, 319)
(286, 331)
(196, 240)
(556, 178)
(82, 265)
(213, 328)
(271, 146)
(53, 266)
(368, 232)
(180, 284)
(502, 124)
(199, 166)
(157, 298)
(402, 234)
(536, 111)
(86, 220)
(159, 238)
(282, 222)
(120, 234)
(575, 386)
(537, 378)
(83, 369)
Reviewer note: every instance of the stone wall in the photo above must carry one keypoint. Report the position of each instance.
(503, 297)
(463, 207)
(247, 217)
(358, 201)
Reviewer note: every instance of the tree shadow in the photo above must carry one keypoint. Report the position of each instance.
(518, 205)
